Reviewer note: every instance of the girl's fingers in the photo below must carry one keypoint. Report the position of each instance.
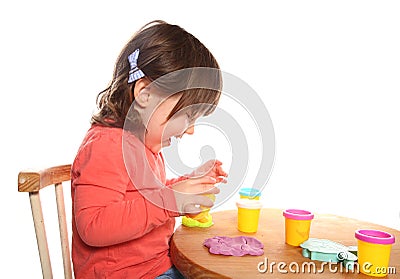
(203, 180)
(210, 189)
(204, 201)
(191, 207)
(219, 170)
(221, 179)
(203, 189)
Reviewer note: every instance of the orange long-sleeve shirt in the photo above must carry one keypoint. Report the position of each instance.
(116, 231)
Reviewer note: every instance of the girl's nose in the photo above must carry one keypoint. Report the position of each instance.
(190, 130)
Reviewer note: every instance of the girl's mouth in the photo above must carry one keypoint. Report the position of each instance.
(166, 142)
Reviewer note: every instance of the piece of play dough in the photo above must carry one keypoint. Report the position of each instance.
(201, 220)
(205, 222)
(234, 246)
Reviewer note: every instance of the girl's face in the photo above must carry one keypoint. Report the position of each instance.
(160, 130)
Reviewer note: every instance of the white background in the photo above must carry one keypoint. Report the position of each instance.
(328, 72)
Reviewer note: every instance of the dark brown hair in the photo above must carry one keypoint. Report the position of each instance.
(164, 48)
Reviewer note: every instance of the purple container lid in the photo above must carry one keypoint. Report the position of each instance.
(298, 214)
(375, 236)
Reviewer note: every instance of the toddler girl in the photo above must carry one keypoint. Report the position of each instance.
(124, 208)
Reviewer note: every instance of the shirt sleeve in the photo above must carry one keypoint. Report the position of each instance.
(102, 214)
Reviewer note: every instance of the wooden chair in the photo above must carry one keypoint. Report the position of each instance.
(32, 182)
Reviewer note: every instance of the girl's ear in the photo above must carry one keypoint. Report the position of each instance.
(141, 93)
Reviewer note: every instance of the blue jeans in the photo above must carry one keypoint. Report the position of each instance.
(171, 273)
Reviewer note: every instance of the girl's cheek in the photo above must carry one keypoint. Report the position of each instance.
(178, 126)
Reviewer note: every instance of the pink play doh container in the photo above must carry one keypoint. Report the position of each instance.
(374, 249)
(297, 226)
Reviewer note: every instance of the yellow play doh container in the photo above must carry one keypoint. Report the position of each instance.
(250, 193)
(297, 226)
(374, 249)
(248, 215)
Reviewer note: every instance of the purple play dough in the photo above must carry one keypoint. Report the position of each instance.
(234, 246)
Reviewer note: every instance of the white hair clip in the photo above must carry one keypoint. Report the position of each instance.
(135, 73)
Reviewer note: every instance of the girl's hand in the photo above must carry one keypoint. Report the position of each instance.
(191, 193)
(213, 169)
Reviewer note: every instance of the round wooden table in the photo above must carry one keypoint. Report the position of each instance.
(279, 260)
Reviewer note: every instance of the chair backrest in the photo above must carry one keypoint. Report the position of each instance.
(32, 182)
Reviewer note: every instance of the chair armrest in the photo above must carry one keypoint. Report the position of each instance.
(33, 181)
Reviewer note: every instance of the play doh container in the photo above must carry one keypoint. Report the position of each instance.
(374, 249)
(249, 193)
(248, 215)
(297, 226)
